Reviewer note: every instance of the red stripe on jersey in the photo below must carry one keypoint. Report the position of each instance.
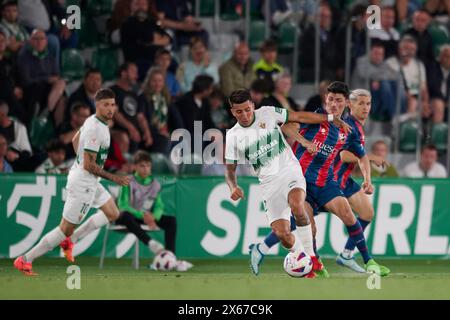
(347, 174)
(361, 132)
(306, 159)
(336, 169)
(323, 172)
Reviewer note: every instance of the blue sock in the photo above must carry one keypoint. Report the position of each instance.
(272, 239)
(356, 234)
(350, 245)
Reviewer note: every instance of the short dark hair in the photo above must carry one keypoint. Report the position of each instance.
(196, 39)
(376, 43)
(339, 87)
(239, 96)
(104, 93)
(142, 156)
(54, 145)
(202, 83)
(269, 45)
(429, 146)
(216, 94)
(90, 71)
(259, 85)
(77, 105)
(124, 67)
(161, 52)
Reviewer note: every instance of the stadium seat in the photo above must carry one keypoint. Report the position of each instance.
(257, 34)
(195, 168)
(119, 228)
(100, 7)
(107, 61)
(287, 33)
(160, 164)
(439, 34)
(408, 136)
(41, 131)
(207, 8)
(88, 35)
(439, 135)
(72, 64)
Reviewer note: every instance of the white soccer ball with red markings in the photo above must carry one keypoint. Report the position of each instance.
(165, 261)
(297, 265)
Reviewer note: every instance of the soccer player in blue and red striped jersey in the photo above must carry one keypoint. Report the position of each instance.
(323, 191)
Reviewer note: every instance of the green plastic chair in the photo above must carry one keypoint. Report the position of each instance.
(439, 35)
(88, 35)
(107, 61)
(160, 164)
(287, 33)
(207, 8)
(439, 136)
(72, 64)
(257, 34)
(100, 7)
(408, 136)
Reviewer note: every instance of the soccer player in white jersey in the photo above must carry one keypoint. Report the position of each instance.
(84, 190)
(257, 139)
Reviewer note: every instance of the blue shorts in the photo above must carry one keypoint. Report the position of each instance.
(317, 197)
(351, 188)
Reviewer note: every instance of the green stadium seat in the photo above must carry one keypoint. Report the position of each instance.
(439, 34)
(41, 131)
(88, 35)
(72, 64)
(73, 2)
(193, 168)
(160, 164)
(107, 61)
(439, 136)
(408, 136)
(287, 33)
(100, 7)
(257, 34)
(207, 8)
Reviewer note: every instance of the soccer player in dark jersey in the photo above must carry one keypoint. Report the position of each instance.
(323, 191)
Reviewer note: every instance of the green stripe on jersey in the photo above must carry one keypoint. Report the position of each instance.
(265, 149)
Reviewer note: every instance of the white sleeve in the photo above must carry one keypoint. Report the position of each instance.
(231, 151)
(91, 141)
(279, 114)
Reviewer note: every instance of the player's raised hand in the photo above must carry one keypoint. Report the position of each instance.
(122, 180)
(342, 124)
(367, 187)
(237, 193)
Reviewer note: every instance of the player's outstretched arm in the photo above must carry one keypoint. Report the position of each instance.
(290, 129)
(76, 141)
(231, 179)
(364, 165)
(315, 118)
(348, 157)
(91, 166)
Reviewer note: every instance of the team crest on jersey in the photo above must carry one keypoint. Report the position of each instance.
(262, 125)
(342, 136)
(323, 131)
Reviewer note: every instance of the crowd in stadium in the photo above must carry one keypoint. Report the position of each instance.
(159, 89)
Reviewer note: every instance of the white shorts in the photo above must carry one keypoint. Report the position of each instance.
(80, 199)
(275, 193)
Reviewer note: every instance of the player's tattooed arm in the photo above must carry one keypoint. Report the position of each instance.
(290, 129)
(75, 141)
(231, 179)
(91, 166)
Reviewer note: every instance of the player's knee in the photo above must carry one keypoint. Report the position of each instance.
(367, 215)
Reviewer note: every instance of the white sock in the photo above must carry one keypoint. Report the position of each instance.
(347, 254)
(98, 220)
(298, 246)
(305, 235)
(155, 246)
(263, 248)
(47, 243)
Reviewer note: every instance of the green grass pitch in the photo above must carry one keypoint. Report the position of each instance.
(222, 279)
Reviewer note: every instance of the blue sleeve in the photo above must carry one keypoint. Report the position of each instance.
(354, 144)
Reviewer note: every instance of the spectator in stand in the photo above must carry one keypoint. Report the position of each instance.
(413, 74)
(79, 112)
(163, 60)
(130, 122)
(194, 106)
(257, 92)
(381, 168)
(199, 63)
(372, 73)
(387, 35)
(155, 103)
(56, 162)
(10, 91)
(5, 167)
(16, 134)
(39, 73)
(175, 16)
(419, 30)
(427, 167)
(219, 113)
(318, 100)
(280, 97)
(85, 93)
(438, 80)
(237, 72)
(141, 37)
(267, 68)
(16, 33)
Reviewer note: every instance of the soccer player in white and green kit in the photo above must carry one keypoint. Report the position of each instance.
(257, 139)
(83, 187)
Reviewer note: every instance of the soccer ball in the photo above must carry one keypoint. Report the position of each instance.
(164, 261)
(297, 265)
